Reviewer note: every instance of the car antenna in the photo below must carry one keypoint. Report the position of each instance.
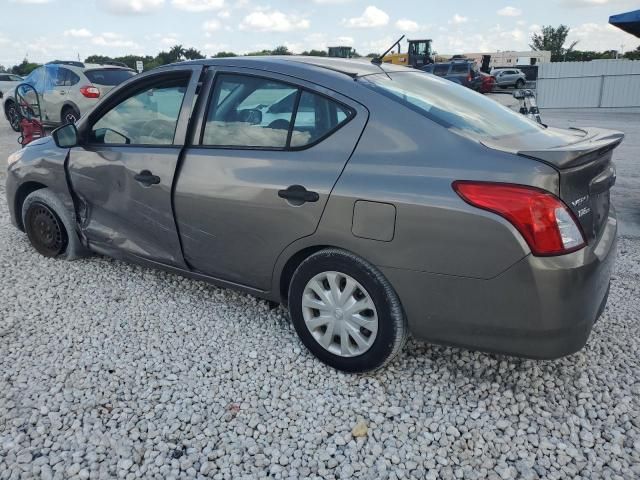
(378, 60)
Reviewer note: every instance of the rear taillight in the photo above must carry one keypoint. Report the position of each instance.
(90, 91)
(542, 219)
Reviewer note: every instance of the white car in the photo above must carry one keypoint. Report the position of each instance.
(8, 81)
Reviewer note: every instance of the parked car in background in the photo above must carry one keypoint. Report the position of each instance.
(462, 72)
(67, 89)
(373, 200)
(509, 77)
(488, 83)
(8, 81)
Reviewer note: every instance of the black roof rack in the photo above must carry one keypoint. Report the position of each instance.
(66, 62)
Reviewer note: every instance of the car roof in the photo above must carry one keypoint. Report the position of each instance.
(347, 66)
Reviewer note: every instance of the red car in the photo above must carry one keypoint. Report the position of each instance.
(488, 83)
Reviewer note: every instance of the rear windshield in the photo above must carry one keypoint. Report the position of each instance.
(455, 107)
(109, 77)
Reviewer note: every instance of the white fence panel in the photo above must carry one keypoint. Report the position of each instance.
(600, 83)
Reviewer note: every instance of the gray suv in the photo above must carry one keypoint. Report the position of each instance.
(509, 77)
(67, 89)
(373, 201)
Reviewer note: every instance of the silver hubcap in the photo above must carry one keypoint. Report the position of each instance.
(340, 314)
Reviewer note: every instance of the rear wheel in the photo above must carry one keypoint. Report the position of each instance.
(520, 83)
(13, 116)
(69, 115)
(345, 311)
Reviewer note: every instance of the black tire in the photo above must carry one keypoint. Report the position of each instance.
(520, 83)
(69, 115)
(50, 226)
(13, 115)
(392, 327)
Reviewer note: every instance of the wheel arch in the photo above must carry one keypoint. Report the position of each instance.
(68, 104)
(290, 266)
(22, 193)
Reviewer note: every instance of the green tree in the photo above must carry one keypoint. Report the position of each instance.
(315, 53)
(633, 54)
(224, 55)
(261, 53)
(553, 40)
(281, 50)
(25, 68)
(193, 54)
(372, 55)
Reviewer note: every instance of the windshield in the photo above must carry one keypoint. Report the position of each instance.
(109, 77)
(455, 107)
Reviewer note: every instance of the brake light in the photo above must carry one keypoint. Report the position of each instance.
(542, 219)
(90, 91)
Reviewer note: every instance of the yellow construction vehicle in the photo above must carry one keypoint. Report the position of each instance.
(418, 54)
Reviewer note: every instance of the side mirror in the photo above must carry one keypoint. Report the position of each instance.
(66, 136)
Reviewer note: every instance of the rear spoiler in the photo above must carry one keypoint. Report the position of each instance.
(596, 142)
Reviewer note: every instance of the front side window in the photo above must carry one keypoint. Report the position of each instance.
(149, 117)
(459, 68)
(253, 112)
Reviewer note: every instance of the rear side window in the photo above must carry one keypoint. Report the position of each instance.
(254, 112)
(64, 77)
(459, 68)
(108, 77)
(441, 70)
(316, 117)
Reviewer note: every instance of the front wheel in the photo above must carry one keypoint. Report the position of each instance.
(345, 311)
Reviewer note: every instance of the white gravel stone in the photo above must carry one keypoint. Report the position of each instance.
(109, 369)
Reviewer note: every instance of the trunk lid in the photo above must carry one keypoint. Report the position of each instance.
(587, 174)
(583, 158)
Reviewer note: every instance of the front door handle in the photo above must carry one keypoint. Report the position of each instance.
(146, 178)
(297, 195)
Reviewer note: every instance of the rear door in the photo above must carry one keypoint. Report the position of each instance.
(123, 171)
(267, 152)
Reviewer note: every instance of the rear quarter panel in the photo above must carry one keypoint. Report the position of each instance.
(408, 161)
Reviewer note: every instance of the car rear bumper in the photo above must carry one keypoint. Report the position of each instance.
(541, 307)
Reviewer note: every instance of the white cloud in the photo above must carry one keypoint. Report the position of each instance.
(371, 17)
(329, 2)
(534, 27)
(407, 25)
(77, 33)
(131, 7)
(198, 5)
(211, 26)
(32, 2)
(601, 36)
(114, 40)
(510, 12)
(273, 21)
(224, 14)
(458, 19)
(586, 3)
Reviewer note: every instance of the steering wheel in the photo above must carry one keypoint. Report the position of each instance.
(158, 129)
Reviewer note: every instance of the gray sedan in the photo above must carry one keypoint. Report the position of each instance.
(509, 77)
(373, 201)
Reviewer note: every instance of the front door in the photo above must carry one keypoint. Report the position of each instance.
(123, 171)
(260, 171)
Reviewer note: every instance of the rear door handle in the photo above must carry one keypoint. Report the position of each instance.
(297, 195)
(146, 178)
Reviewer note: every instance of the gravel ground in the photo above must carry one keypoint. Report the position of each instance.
(112, 370)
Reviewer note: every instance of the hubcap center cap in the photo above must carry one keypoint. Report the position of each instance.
(339, 314)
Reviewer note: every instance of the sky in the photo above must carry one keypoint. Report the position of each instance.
(68, 29)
